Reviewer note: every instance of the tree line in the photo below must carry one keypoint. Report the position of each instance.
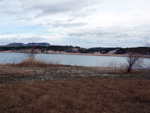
(72, 49)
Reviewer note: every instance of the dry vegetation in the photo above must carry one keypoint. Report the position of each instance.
(38, 87)
(28, 71)
(84, 95)
(33, 63)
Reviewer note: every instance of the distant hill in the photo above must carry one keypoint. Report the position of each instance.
(29, 44)
(44, 47)
(38, 44)
(15, 45)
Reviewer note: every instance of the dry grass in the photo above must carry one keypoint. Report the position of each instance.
(84, 90)
(88, 95)
(31, 62)
(34, 72)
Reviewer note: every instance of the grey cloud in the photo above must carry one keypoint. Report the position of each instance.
(57, 6)
(90, 32)
(10, 7)
(59, 24)
(118, 36)
(5, 33)
(29, 10)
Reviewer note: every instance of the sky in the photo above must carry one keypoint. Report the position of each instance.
(84, 23)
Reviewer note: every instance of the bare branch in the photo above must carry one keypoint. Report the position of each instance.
(133, 61)
(147, 42)
(31, 52)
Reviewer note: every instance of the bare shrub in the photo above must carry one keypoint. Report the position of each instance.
(31, 53)
(133, 62)
(31, 61)
(147, 43)
(146, 64)
(34, 63)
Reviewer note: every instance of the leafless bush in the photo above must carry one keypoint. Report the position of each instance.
(133, 61)
(31, 53)
(34, 63)
(146, 64)
(147, 42)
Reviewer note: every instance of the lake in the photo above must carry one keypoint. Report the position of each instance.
(78, 60)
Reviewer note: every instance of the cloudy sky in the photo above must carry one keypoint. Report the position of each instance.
(85, 23)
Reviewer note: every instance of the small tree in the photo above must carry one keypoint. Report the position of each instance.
(133, 61)
(146, 64)
(31, 53)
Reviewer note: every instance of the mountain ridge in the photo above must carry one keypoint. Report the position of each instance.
(28, 44)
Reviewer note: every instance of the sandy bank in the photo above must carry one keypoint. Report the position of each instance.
(66, 53)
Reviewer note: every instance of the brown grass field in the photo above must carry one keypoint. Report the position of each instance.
(40, 88)
(84, 95)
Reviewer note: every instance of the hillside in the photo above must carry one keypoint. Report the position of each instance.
(29, 44)
(47, 48)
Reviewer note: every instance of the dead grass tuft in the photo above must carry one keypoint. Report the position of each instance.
(34, 63)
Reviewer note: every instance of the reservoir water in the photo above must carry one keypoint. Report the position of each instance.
(78, 60)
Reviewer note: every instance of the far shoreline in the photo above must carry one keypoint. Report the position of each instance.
(86, 54)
